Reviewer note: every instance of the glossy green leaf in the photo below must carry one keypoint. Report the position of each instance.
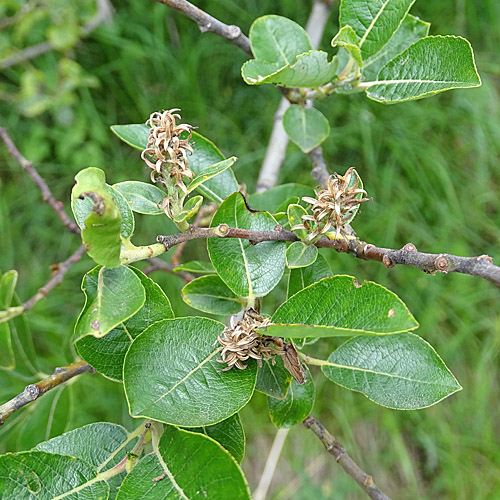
(297, 404)
(94, 443)
(229, 433)
(107, 354)
(311, 69)
(373, 21)
(195, 467)
(400, 371)
(248, 270)
(205, 155)
(410, 31)
(347, 39)
(278, 39)
(210, 172)
(273, 379)
(143, 198)
(101, 225)
(284, 206)
(339, 306)
(111, 297)
(128, 223)
(190, 209)
(196, 266)
(295, 213)
(283, 55)
(8, 283)
(431, 65)
(134, 134)
(298, 254)
(305, 276)
(171, 374)
(306, 127)
(272, 199)
(211, 295)
(45, 476)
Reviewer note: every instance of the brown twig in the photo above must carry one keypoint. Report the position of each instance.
(62, 269)
(481, 266)
(344, 460)
(207, 23)
(319, 171)
(39, 181)
(34, 391)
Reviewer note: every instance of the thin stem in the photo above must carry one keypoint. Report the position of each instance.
(208, 24)
(34, 391)
(341, 456)
(313, 361)
(39, 181)
(271, 463)
(481, 266)
(62, 269)
(141, 253)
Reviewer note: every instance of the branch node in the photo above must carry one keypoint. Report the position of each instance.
(32, 391)
(368, 482)
(60, 369)
(485, 258)
(409, 247)
(387, 261)
(223, 229)
(441, 263)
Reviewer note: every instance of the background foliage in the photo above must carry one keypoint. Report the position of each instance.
(431, 167)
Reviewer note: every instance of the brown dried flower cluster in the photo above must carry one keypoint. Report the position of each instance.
(166, 153)
(333, 207)
(241, 342)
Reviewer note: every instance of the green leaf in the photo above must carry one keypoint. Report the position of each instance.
(196, 266)
(278, 39)
(283, 55)
(347, 39)
(107, 354)
(272, 199)
(229, 433)
(431, 65)
(305, 276)
(94, 443)
(211, 295)
(306, 127)
(295, 213)
(128, 223)
(44, 476)
(205, 154)
(143, 198)
(273, 379)
(248, 270)
(101, 225)
(410, 31)
(298, 254)
(338, 306)
(111, 297)
(373, 21)
(134, 134)
(311, 69)
(210, 172)
(195, 466)
(297, 404)
(171, 374)
(8, 283)
(402, 372)
(190, 209)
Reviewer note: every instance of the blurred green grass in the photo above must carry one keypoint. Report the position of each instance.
(431, 167)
